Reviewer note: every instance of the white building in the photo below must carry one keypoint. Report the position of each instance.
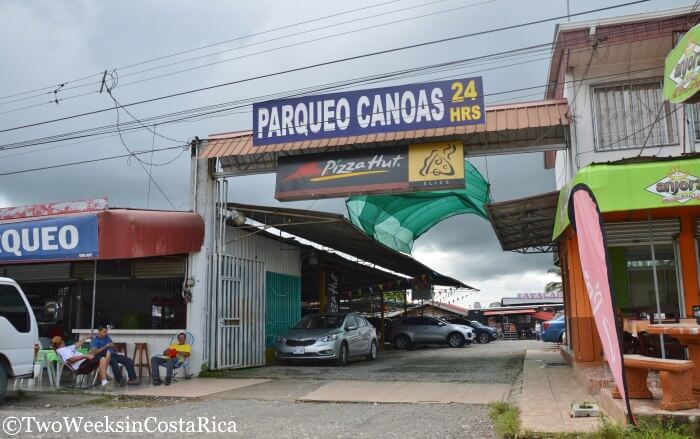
(611, 73)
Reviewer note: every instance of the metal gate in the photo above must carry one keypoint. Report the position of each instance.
(236, 312)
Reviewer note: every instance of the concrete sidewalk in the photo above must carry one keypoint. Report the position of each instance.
(407, 392)
(192, 388)
(549, 389)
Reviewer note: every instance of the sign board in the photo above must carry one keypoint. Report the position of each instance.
(548, 295)
(407, 168)
(49, 239)
(379, 110)
(333, 302)
(682, 69)
(421, 291)
(46, 209)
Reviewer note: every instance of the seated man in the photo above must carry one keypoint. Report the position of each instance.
(173, 356)
(81, 363)
(101, 345)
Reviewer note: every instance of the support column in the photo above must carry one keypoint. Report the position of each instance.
(203, 202)
(688, 263)
(381, 344)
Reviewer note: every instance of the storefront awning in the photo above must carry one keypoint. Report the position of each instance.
(107, 234)
(635, 184)
(508, 312)
(525, 225)
(336, 232)
(512, 128)
(542, 315)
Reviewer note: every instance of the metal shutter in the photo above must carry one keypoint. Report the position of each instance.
(159, 268)
(637, 232)
(38, 272)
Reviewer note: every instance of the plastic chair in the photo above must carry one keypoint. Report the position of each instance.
(184, 366)
(75, 373)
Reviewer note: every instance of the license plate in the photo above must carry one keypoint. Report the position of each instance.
(298, 351)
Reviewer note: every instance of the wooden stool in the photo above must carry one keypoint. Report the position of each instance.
(141, 349)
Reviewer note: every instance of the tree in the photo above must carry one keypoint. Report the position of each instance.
(553, 287)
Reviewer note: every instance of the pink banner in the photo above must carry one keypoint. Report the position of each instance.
(591, 245)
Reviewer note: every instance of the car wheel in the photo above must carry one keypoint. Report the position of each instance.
(402, 342)
(342, 359)
(484, 338)
(455, 340)
(3, 382)
(372, 351)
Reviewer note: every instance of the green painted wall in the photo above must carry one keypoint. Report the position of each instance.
(620, 281)
(283, 307)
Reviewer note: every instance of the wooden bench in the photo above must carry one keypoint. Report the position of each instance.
(675, 377)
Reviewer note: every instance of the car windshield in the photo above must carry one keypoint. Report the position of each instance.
(320, 321)
(477, 324)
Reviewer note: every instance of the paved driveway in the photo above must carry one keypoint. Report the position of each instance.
(497, 362)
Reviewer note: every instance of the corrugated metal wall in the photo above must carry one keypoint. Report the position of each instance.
(283, 305)
(278, 257)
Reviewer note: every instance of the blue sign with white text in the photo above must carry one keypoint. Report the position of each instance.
(380, 110)
(49, 239)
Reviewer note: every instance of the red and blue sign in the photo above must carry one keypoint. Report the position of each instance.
(380, 110)
(49, 239)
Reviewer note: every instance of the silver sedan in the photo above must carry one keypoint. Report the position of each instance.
(336, 337)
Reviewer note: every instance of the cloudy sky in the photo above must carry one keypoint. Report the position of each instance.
(47, 43)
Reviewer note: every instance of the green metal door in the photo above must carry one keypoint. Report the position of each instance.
(283, 307)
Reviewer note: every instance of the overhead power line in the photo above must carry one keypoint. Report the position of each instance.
(325, 63)
(101, 159)
(257, 43)
(99, 74)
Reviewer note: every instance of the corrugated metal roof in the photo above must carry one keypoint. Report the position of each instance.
(525, 225)
(336, 232)
(507, 126)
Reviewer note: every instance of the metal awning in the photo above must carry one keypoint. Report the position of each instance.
(525, 225)
(336, 232)
(512, 128)
(131, 233)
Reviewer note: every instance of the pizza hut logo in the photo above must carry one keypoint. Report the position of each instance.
(677, 187)
(437, 163)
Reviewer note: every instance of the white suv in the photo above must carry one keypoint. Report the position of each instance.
(18, 334)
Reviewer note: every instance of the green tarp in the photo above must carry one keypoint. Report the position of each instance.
(398, 220)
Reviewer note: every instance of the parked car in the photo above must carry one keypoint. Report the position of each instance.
(428, 330)
(334, 336)
(377, 323)
(553, 330)
(19, 334)
(482, 333)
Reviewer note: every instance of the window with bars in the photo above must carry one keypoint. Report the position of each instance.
(693, 118)
(632, 115)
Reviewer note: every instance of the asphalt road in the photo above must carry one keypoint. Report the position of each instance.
(271, 409)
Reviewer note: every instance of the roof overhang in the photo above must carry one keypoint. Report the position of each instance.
(525, 225)
(336, 232)
(635, 184)
(130, 234)
(352, 275)
(513, 128)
